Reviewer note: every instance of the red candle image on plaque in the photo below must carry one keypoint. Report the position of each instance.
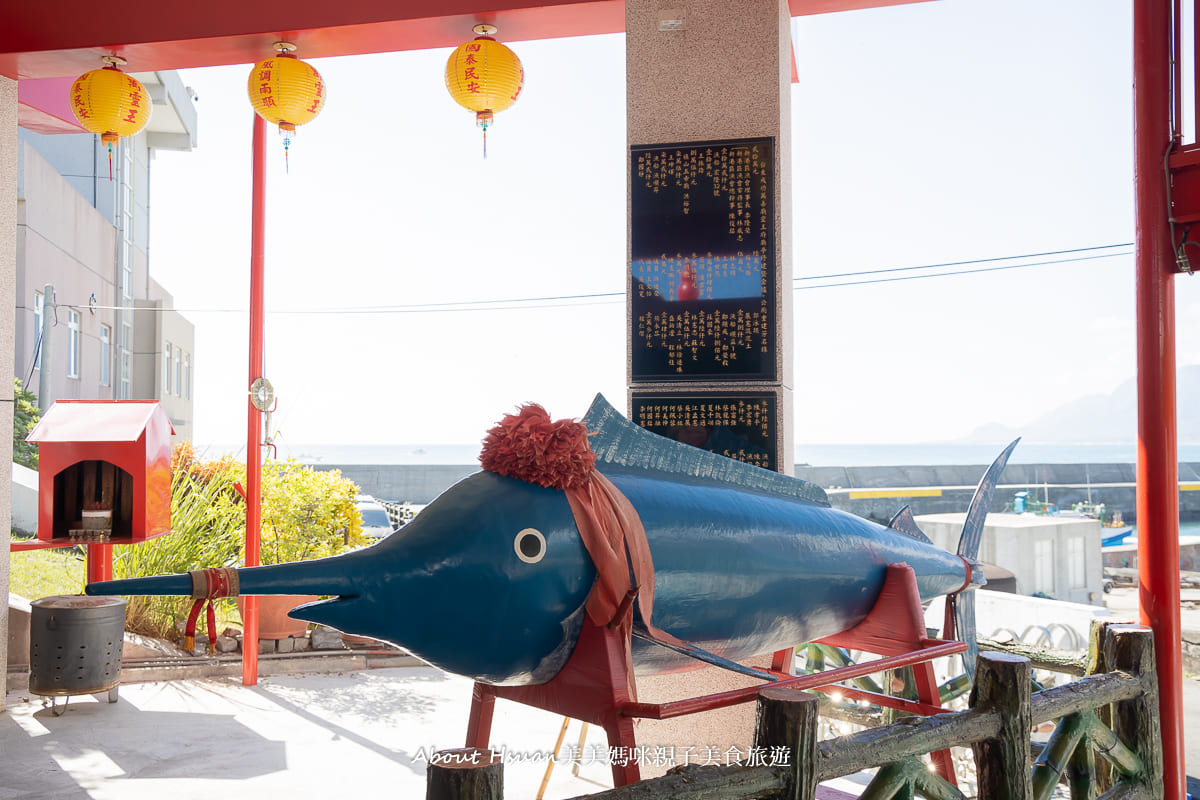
(687, 283)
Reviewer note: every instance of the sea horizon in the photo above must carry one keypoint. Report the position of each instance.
(817, 454)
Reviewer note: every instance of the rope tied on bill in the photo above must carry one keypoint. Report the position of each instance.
(208, 585)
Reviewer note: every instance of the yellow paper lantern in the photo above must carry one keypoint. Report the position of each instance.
(109, 103)
(285, 90)
(484, 76)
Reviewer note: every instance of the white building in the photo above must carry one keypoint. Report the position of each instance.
(115, 333)
(1056, 556)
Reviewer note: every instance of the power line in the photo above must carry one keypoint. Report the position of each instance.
(973, 261)
(609, 298)
(956, 272)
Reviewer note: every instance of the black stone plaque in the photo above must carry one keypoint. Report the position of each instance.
(702, 269)
(740, 426)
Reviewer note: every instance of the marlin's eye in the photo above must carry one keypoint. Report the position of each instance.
(530, 546)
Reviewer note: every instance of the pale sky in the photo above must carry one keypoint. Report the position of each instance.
(937, 132)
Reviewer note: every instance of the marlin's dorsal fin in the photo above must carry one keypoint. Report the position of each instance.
(904, 523)
(623, 445)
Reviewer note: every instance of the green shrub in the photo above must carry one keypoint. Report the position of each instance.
(305, 514)
(25, 416)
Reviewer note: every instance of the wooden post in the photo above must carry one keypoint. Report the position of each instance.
(1130, 648)
(788, 718)
(1003, 763)
(1096, 665)
(1082, 773)
(465, 773)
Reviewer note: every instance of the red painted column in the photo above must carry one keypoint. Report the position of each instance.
(99, 562)
(254, 433)
(1157, 465)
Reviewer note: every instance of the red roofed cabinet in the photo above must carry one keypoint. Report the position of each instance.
(104, 477)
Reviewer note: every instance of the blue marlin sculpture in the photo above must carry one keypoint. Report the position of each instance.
(492, 579)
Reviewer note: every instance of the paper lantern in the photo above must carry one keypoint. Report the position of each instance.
(110, 104)
(286, 91)
(484, 76)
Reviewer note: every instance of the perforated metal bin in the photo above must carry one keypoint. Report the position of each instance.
(75, 645)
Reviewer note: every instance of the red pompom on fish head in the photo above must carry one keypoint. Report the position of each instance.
(531, 447)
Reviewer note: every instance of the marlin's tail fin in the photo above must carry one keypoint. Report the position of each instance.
(968, 549)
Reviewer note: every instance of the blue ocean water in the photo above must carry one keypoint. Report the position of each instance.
(840, 455)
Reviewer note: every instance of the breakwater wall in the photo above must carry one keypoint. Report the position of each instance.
(872, 492)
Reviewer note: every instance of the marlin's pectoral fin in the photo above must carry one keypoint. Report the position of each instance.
(691, 651)
(336, 612)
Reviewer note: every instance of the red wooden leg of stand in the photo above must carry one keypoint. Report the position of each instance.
(593, 686)
(927, 692)
(479, 724)
(782, 660)
(621, 748)
(896, 625)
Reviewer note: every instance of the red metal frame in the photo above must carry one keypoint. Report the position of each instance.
(597, 684)
(1157, 464)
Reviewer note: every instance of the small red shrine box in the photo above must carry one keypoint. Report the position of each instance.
(104, 471)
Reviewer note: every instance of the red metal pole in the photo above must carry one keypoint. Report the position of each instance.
(1157, 465)
(99, 562)
(1176, 70)
(1195, 137)
(258, 209)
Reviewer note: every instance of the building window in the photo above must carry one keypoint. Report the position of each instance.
(178, 372)
(72, 343)
(187, 376)
(166, 368)
(105, 355)
(1043, 564)
(126, 372)
(1077, 562)
(39, 311)
(126, 357)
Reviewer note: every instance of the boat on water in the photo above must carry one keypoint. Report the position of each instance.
(1113, 528)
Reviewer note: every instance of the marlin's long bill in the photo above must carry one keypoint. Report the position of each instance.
(326, 576)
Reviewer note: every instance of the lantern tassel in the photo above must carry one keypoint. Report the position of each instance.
(286, 141)
(110, 177)
(485, 141)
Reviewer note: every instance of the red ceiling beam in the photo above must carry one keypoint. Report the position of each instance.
(152, 35)
(36, 42)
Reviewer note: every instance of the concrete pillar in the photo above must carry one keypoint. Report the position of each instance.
(704, 70)
(8, 280)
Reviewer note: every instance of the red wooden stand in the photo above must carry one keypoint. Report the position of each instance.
(593, 686)
(895, 626)
(597, 684)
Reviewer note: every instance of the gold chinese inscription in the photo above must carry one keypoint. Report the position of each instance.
(738, 428)
(703, 260)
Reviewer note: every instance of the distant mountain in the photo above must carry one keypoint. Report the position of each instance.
(1101, 419)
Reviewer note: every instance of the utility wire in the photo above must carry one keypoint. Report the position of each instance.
(608, 298)
(974, 261)
(957, 272)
